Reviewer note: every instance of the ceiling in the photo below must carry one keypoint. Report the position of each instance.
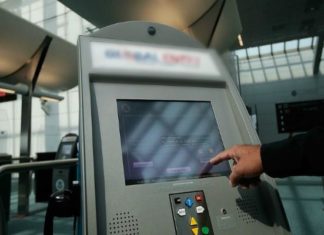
(177, 13)
(270, 21)
(215, 23)
(19, 41)
(263, 22)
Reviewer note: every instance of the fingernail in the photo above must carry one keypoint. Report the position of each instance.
(244, 187)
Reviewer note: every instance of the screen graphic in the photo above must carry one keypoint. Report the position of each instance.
(65, 150)
(168, 140)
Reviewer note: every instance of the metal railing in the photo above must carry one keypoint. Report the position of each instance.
(19, 167)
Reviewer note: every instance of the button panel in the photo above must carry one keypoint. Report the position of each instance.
(190, 213)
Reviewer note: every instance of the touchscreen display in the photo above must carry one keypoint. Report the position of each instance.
(168, 140)
(65, 150)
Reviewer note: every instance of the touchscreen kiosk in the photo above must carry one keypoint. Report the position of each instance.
(62, 177)
(153, 110)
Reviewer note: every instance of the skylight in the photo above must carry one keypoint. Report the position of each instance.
(276, 48)
(278, 61)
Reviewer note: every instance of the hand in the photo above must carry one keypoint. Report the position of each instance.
(247, 164)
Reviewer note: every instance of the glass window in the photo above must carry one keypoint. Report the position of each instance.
(308, 68)
(37, 5)
(294, 58)
(25, 12)
(258, 76)
(60, 8)
(322, 66)
(305, 43)
(307, 55)
(60, 19)
(253, 51)
(277, 47)
(315, 40)
(280, 65)
(36, 9)
(244, 65)
(281, 60)
(61, 32)
(241, 53)
(297, 71)
(255, 63)
(284, 73)
(246, 77)
(271, 74)
(291, 45)
(268, 62)
(46, 14)
(265, 50)
(37, 15)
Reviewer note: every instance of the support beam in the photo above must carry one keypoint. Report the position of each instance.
(32, 70)
(318, 55)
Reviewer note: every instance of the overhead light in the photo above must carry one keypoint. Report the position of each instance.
(17, 88)
(240, 40)
(49, 99)
(23, 90)
(47, 95)
(7, 91)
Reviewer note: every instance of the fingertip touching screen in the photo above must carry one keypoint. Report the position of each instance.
(168, 140)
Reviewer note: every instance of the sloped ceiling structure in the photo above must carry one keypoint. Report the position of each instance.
(18, 42)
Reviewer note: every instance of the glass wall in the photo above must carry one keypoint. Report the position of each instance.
(280, 61)
(51, 15)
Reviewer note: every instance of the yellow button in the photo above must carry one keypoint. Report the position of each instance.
(195, 231)
(193, 221)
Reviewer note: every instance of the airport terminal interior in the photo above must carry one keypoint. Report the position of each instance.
(110, 111)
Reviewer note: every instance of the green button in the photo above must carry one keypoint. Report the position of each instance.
(205, 230)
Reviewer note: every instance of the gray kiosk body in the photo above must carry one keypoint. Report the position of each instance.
(154, 108)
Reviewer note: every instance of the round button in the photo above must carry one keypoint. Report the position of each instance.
(199, 198)
(59, 184)
(205, 230)
(224, 211)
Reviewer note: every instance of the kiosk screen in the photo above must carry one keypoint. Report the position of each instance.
(65, 151)
(168, 140)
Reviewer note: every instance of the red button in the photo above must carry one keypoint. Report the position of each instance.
(199, 198)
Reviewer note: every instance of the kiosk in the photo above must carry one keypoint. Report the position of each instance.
(155, 106)
(63, 177)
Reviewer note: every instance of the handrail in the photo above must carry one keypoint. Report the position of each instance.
(22, 158)
(18, 167)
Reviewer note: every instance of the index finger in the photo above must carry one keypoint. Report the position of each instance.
(222, 156)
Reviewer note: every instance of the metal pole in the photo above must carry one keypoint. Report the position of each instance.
(33, 69)
(21, 167)
(24, 181)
